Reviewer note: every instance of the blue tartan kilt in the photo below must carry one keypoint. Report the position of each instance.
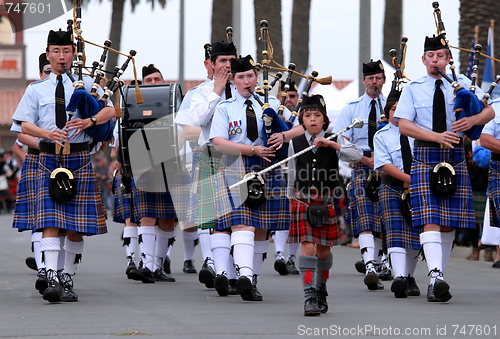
(84, 213)
(122, 206)
(397, 231)
(363, 213)
(494, 193)
(24, 210)
(455, 211)
(274, 214)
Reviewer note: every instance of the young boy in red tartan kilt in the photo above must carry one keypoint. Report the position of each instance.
(312, 189)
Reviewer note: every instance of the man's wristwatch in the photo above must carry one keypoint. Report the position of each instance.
(94, 120)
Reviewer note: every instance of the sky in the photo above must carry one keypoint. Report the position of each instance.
(334, 34)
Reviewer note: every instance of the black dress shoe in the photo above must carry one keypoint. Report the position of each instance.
(41, 282)
(68, 295)
(207, 274)
(291, 268)
(221, 284)
(431, 297)
(385, 273)
(131, 265)
(232, 287)
(399, 287)
(360, 266)
(160, 275)
(189, 267)
(322, 303)
(166, 265)
(280, 266)
(53, 292)
(244, 287)
(311, 307)
(31, 263)
(371, 281)
(496, 264)
(412, 289)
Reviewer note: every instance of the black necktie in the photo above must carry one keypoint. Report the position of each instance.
(406, 153)
(438, 110)
(252, 132)
(372, 123)
(228, 91)
(60, 106)
(312, 143)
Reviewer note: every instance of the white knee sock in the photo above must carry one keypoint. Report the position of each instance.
(171, 242)
(61, 259)
(367, 246)
(260, 251)
(50, 248)
(431, 242)
(205, 246)
(74, 250)
(162, 245)
(147, 239)
(280, 238)
(190, 241)
(221, 246)
(447, 239)
(130, 240)
(411, 262)
(292, 250)
(231, 270)
(35, 246)
(243, 249)
(398, 260)
(378, 249)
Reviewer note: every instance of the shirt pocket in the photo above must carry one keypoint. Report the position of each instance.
(47, 102)
(423, 106)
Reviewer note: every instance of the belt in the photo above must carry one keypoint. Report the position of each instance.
(211, 152)
(391, 181)
(495, 156)
(33, 151)
(48, 147)
(422, 143)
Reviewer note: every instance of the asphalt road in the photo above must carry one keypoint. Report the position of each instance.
(111, 305)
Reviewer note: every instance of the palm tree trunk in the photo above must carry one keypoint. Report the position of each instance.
(393, 27)
(299, 53)
(115, 33)
(270, 10)
(222, 15)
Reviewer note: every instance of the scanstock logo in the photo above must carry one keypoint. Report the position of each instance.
(34, 12)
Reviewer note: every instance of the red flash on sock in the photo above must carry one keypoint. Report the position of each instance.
(308, 277)
(325, 274)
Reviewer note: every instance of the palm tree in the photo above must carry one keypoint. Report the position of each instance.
(222, 16)
(299, 53)
(393, 27)
(270, 10)
(115, 33)
(477, 13)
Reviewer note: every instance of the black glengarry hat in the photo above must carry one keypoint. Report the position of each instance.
(292, 87)
(372, 68)
(42, 61)
(223, 48)
(150, 69)
(394, 95)
(314, 101)
(242, 64)
(435, 43)
(59, 38)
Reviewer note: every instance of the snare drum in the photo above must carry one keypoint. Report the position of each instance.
(149, 139)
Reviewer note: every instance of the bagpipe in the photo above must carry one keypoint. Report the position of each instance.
(275, 121)
(62, 187)
(467, 104)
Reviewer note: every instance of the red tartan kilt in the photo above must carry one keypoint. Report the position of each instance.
(300, 230)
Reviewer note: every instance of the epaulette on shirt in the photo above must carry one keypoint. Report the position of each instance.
(383, 129)
(227, 101)
(355, 101)
(38, 82)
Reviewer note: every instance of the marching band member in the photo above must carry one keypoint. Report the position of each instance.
(42, 114)
(363, 211)
(425, 112)
(312, 180)
(237, 129)
(393, 155)
(281, 265)
(202, 109)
